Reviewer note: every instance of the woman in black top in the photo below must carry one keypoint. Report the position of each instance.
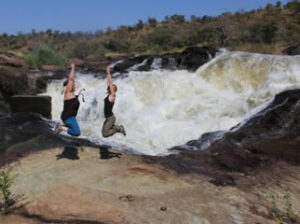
(71, 106)
(109, 128)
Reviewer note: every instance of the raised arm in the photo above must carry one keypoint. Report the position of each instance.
(69, 87)
(109, 81)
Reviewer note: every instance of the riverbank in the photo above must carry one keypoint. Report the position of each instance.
(245, 176)
(122, 188)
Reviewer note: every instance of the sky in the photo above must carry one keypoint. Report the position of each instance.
(91, 15)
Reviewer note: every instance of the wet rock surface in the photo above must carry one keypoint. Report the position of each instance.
(56, 187)
(269, 135)
(17, 78)
(223, 177)
(265, 138)
(293, 50)
(190, 59)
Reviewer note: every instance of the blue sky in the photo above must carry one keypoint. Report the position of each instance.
(92, 15)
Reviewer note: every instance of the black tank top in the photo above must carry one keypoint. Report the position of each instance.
(108, 106)
(71, 107)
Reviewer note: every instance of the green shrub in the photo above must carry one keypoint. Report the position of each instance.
(275, 207)
(81, 50)
(287, 216)
(263, 33)
(45, 56)
(116, 44)
(289, 208)
(97, 49)
(6, 181)
(163, 37)
(155, 49)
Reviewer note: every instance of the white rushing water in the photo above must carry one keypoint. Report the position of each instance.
(161, 108)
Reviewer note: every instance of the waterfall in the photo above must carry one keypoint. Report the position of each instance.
(163, 108)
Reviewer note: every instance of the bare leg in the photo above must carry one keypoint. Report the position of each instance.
(59, 128)
(63, 128)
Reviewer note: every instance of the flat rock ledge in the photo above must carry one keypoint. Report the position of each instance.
(71, 180)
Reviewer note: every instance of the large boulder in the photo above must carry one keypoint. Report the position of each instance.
(190, 59)
(32, 104)
(270, 134)
(13, 80)
(194, 57)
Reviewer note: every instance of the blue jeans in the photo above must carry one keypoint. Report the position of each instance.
(72, 125)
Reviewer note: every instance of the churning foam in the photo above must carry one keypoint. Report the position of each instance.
(162, 108)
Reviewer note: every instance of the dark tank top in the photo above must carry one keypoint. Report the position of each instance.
(108, 106)
(71, 107)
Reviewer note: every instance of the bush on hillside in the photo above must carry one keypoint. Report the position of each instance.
(262, 33)
(81, 50)
(45, 56)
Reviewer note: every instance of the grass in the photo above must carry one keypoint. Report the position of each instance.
(282, 208)
(6, 181)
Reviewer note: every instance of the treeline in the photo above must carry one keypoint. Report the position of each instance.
(265, 30)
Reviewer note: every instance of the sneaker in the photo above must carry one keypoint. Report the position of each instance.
(122, 130)
(57, 129)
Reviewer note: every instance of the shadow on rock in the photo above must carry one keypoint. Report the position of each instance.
(69, 152)
(106, 154)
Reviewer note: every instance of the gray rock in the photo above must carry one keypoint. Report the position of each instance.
(293, 50)
(33, 104)
(190, 59)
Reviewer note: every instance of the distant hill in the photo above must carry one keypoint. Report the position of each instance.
(265, 30)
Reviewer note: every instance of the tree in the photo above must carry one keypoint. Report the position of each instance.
(99, 32)
(166, 19)
(278, 4)
(81, 50)
(177, 19)
(152, 22)
(269, 7)
(139, 25)
(194, 19)
(263, 33)
(33, 32)
(49, 32)
(226, 27)
(294, 6)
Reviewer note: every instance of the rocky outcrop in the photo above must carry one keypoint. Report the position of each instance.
(293, 50)
(194, 57)
(71, 180)
(123, 189)
(4, 106)
(271, 134)
(190, 59)
(13, 81)
(9, 59)
(31, 104)
(96, 65)
(17, 79)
